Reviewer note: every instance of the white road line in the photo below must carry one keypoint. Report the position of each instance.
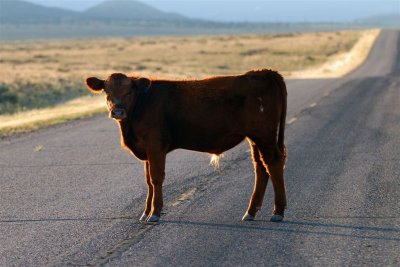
(291, 120)
(313, 104)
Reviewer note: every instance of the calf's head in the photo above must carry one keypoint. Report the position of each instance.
(122, 92)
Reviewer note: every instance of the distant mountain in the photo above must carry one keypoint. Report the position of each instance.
(118, 10)
(389, 20)
(17, 12)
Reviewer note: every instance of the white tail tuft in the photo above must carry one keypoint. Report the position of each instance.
(214, 161)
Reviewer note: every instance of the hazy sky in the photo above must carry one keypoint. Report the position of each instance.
(258, 10)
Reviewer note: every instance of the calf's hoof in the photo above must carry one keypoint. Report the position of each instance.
(153, 219)
(276, 218)
(143, 218)
(248, 217)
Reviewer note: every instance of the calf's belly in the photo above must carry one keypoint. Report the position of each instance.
(211, 144)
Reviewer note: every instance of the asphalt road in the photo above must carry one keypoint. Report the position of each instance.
(69, 195)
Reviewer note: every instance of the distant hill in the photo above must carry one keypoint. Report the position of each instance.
(18, 12)
(129, 10)
(389, 20)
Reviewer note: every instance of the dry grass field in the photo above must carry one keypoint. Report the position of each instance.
(43, 74)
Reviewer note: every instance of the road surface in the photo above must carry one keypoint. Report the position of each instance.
(69, 195)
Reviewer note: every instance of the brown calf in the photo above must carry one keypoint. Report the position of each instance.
(211, 115)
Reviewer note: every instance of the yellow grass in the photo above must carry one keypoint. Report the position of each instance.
(304, 55)
(199, 56)
(340, 64)
(31, 120)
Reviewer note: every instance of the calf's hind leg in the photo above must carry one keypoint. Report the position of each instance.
(260, 185)
(274, 162)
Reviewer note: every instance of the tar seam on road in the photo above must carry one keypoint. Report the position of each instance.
(121, 246)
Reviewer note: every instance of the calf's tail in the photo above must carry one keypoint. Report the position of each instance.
(281, 135)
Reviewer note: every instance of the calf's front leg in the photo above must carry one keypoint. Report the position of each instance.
(149, 197)
(157, 175)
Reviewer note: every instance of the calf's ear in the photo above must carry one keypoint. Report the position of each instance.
(95, 85)
(142, 84)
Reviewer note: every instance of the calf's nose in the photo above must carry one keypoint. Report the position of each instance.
(118, 113)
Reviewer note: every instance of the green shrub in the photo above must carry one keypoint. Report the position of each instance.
(24, 96)
(7, 99)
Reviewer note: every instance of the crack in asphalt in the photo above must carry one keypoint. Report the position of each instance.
(234, 227)
(66, 219)
(183, 200)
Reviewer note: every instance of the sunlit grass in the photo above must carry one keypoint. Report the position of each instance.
(340, 64)
(37, 118)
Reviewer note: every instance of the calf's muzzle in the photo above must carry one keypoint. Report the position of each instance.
(118, 113)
